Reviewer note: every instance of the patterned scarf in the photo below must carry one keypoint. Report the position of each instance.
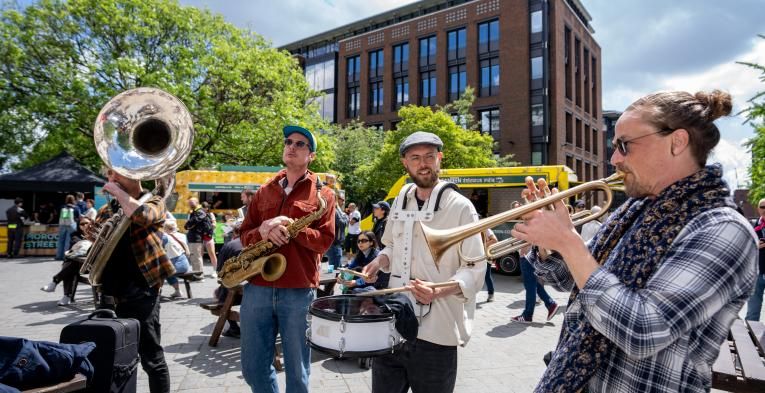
(581, 349)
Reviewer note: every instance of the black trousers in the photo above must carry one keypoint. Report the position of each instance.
(146, 310)
(15, 237)
(68, 274)
(421, 365)
(350, 243)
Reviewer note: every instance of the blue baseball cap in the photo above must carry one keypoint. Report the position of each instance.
(289, 130)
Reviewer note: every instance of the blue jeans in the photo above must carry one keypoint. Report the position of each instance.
(335, 255)
(533, 288)
(181, 264)
(264, 312)
(754, 305)
(489, 280)
(64, 239)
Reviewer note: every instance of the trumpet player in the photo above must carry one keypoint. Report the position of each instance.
(654, 293)
(136, 270)
(429, 363)
(281, 306)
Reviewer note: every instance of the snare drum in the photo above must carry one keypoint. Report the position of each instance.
(352, 326)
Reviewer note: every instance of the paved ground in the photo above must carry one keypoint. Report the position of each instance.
(501, 357)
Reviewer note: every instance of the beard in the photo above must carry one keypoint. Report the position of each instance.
(425, 181)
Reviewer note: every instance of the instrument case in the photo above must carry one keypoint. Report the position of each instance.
(115, 358)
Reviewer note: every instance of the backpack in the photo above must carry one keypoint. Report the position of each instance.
(66, 217)
(206, 226)
(341, 222)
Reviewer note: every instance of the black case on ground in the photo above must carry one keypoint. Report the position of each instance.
(115, 358)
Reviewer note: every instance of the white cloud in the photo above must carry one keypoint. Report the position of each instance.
(735, 160)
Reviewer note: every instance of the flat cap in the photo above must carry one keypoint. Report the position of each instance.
(420, 138)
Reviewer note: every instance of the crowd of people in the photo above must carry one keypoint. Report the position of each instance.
(653, 289)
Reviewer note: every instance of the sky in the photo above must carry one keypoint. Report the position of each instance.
(647, 45)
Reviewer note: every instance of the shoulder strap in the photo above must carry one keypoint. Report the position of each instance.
(444, 187)
(183, 245)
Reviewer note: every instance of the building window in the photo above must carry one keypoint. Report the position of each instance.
(353, 67)
(578, 131)
(567, 61)
(537, 153)
(570, 162)
(490, 123)
(577, 72)
(595, 144)
(456, 44)
(537, 115)
(457, 81)
(353, 102)
(401, 58)
(489, 77)
(376, 64)
(594, 87)
(402, 91)
(427, 51)
(536, 68)
(460, 120)
(586, 80)
(569, 130)
(488, 37)
(375, 97)
(586, 137)
(536, 21)
(428, 88)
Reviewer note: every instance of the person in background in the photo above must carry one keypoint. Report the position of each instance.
(380, 211)
(82, 206)
(246, 197)
(15, 216)
(177, 250)
(354, 228)
(368, 250)
(335, 252)
(590, 228)
(754, 305)
(228, 252)
(490, 238)
(197, 225)
(208, 239)
(68, 218)
(82, 239)
(91, 211)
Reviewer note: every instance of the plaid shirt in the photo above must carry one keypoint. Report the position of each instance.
(146, 241)
(667, 335)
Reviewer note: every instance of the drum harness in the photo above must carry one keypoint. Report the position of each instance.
(409, 217)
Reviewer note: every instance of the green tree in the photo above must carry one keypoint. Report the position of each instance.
(355, 147)
(755, 115)
(61, 61)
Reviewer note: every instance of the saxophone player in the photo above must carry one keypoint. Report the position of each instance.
(280, 306)
(136, 270)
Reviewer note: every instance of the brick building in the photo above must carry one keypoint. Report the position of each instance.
(534, 64)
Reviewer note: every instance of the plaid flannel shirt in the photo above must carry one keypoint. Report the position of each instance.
(668, 334)
(146, 241)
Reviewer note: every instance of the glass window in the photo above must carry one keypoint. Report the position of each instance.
(457, 81)
(353, 102)
(488, 36)
(402, 91)
(376, 64)
(353, 67)
(375, 97)
(490, 122)
(427, 51)
(328, 107)
(428, 88)
(536, 67)
(456, 44)
(489, 83)
(537, 115)
(536, 21)
(329, 74)
(401, 58)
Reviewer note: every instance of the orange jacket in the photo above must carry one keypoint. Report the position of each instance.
(303, 253)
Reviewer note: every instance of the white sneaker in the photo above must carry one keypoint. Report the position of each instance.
(65, 301)
(214, 275)
(49, 287)
(176, 295)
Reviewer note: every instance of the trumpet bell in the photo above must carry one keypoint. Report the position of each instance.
(144, 133)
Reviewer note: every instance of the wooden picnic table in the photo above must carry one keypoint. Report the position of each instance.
(740, 366)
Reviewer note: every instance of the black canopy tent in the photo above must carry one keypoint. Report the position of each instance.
(61, 174)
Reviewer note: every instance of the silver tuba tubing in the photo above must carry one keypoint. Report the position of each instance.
(142, 134)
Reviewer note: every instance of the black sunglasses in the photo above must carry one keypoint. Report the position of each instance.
(298, 144)
(363, 240)
(762, 207)
(622, 144)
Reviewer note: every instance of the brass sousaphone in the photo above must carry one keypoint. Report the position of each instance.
(142, 134)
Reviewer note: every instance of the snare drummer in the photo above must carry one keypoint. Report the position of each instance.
(429, 363)
(271, 307)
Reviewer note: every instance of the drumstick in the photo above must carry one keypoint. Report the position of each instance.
(404, 289)
(355, 273)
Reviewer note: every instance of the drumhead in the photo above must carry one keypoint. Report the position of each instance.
(349, 308)
(354, 354)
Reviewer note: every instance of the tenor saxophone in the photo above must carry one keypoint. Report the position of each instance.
(259, 258)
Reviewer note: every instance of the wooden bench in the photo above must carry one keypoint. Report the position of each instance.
(740, 366)
(77, 383)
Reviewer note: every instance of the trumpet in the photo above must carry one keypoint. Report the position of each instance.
(440, 240)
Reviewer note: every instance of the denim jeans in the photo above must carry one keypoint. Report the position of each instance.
(421, 365)
(181, 264)
(264, 312)
(533, 288)
(146, 310)
(64, 239)
(335, 255)
(754, 305)
(489, 280)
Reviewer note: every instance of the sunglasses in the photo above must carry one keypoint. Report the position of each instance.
(622, 145)
(762, 206)
(298, 144)
(363, 241)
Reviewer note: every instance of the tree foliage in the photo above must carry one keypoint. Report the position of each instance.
(61, 61)
(755, 114)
